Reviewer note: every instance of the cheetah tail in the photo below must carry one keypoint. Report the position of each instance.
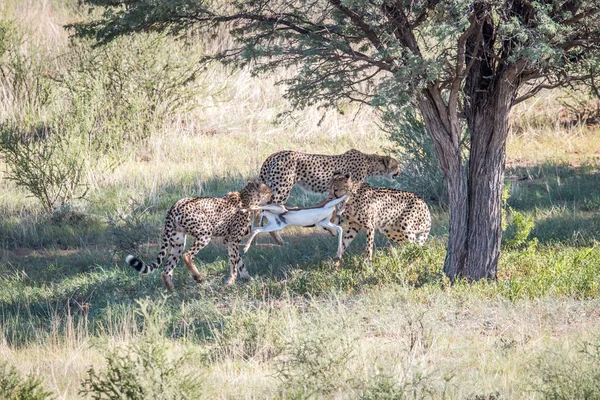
(139, 265)
(147, 268)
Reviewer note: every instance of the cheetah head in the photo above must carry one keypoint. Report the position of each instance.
(386, 166)
(340, 185)
(260, 193)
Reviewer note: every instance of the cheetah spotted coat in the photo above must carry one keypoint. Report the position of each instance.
(313, 172)
(401, 216)
(205, 218)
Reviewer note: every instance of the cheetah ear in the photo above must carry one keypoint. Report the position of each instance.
(387, 160)
(259, 183)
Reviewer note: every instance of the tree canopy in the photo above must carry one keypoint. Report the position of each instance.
(380, 51)
(461, 63)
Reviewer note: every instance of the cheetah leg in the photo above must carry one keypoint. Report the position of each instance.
(370, 242)
(188, 257)
(394, 235)
(243, 270)
(177, 245)
(234, 261)
(350, 233)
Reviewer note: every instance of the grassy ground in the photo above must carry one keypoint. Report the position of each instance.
(300, 328)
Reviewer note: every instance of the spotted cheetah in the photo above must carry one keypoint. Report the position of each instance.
(205, 218)
(313, 172)
(401, 216)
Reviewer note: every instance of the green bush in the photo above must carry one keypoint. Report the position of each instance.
(516, 225)
(563, 378)
(420, 172)
(316, 363)
(146, 368)
(14, 387)
(122, 92)
(71, 116)
(51, 167)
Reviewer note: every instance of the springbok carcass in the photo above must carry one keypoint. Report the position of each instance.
(279, 217)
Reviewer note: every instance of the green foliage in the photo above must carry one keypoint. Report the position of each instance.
(566, 378)
(123, 92)
(145, 368)
(50, 166)
(14, 387)
(316, 363)
(518, 230)
(550, 271)
(420, 171)
(70, 116)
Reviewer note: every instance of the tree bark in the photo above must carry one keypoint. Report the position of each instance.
(487, 119)
(445, 134)
(475, 194)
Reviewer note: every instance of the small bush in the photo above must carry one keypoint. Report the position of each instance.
(13, 386)
(248, 334)
(50, 166)
(317, 363)
(122, 92)
(145, 368)
(386, 386)
(564, 378)
(516, 225)
(518, 232)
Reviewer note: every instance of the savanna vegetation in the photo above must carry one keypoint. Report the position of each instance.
(96, 144)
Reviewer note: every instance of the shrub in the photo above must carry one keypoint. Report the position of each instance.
(316, 363)
(13, 386)
(145, 368)
(122, 92)
(420, 172)
(248, 333)
(50, 166)
(516, 225)
(562, 377)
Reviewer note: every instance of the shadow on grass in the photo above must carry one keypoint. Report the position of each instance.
(555, 185)
(569, 228)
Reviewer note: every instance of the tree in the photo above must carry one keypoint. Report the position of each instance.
(462, 64)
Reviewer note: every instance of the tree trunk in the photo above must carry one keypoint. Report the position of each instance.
(487, 119)
(445, 133)
(475, 195)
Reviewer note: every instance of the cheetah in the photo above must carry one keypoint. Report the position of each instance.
(205, 218)
(313, 172)
(401, 216)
